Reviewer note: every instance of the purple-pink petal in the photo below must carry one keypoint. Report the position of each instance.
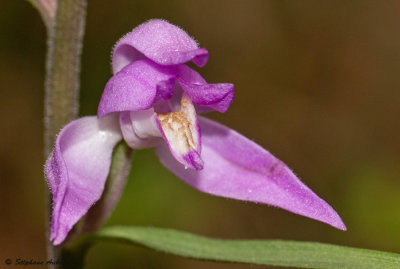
(237, 168)
(78, 168)
(138, 86)
(139, 129)
(215, 96)
(160, 41)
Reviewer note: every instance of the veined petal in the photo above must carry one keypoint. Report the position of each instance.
(215, 96)
(181, 132)
(235, 167)
(78, 168)
(160, 41)
(137, 87)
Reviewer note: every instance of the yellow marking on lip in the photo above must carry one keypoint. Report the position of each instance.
(179, 127)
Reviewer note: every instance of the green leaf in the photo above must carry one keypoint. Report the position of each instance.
(262, 252)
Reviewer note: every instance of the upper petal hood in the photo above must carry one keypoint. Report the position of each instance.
(160, 41)
(235, 167)
(78, 168)
(138, 86)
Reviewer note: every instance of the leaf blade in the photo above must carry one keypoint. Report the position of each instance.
(261, 252)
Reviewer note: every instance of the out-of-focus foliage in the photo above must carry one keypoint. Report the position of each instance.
(316, 84)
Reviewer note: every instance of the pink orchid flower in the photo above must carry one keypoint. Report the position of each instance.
(152, 101)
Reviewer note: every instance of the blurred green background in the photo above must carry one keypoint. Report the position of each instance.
(317, 83)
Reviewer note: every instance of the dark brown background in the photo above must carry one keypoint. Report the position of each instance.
(316, 83)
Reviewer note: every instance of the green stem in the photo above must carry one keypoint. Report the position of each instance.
(64, 46)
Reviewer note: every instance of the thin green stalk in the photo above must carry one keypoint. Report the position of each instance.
(64, 46)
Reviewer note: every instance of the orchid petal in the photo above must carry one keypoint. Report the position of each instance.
(160, 41)
(140, 129)
(137, 87)
(237, 168)
(181, 132)
(216, 96)
(78, 168)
